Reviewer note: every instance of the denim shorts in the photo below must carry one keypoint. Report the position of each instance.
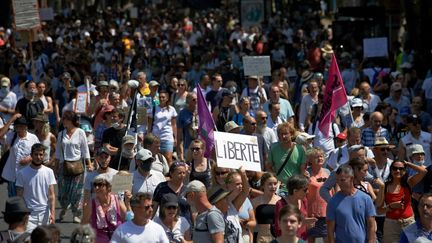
(166, 146)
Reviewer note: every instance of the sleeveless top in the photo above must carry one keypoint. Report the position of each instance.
(44, 101)
(47, 144)
(403, 195)
(264, 213)
(204, 176)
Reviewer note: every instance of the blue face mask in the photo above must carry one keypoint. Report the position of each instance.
(4, 91)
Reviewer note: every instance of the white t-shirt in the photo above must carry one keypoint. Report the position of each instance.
(35, 184)
(305, 106)
(326, 144)
(72, 148)
(179, 229)
(343, 155)
(162, 126)
(20, 149)
(146, 184)
(8, 102)
(132, 233)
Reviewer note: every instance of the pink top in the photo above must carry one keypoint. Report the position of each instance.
(316, 204)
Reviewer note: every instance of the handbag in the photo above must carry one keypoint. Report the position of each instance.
(71, 168)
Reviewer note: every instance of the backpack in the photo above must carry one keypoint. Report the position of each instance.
(231, 234)
(5, 237)
(33, 108)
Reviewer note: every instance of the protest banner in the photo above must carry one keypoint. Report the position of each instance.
(235, 150)
(121, 182)
(26, 14)
(256, 65)
(81, 103)
(252, 13)
(375, 47)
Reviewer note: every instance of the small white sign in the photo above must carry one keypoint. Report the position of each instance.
(121, 182)
(46, 14)
(257, 65)
(26, 14)
(375, 47)
(133, 12)
(81, 103)
(235, 150)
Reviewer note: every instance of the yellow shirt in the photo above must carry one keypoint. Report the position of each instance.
(145, 90)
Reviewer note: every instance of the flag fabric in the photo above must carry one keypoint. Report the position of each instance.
(206, 124)
(334, 98)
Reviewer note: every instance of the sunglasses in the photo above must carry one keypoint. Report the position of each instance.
(252, 124)
(263, 118)
(398, 168)
(221, 173)
(99, 184)
(321, 179)
(148, 207)
(385, 149)
(181, 84)
(171, 207)
(195, 149)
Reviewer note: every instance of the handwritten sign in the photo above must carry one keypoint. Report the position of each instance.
(257, 65)
(375, 47)
(235, 150)
(81, 103)
(26, 14)
(121, 182)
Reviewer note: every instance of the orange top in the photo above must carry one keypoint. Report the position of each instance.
(316, 204)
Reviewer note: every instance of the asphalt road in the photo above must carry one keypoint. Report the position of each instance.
(66, 228)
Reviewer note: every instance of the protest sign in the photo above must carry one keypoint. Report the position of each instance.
(235, 150)
(375, 47)
(26, 14)
(257, 65)
(133, 12)
(252, 13)
(121, 182)
(81, 103)
(46, 14)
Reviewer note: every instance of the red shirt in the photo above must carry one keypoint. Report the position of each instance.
(403, 195)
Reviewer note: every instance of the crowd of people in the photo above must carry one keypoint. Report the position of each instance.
(369, 180)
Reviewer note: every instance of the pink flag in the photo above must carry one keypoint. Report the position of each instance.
(334, 98)
(206, 125)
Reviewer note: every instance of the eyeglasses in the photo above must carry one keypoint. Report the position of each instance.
(385, 149)
(398, 168)
(195, 149)
(148, 207)
(221, 173)
(171, 207)
(321, 179)
(252, 123)
(99, 184)
(181, 84)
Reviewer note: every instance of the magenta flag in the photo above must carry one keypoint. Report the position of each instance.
(206, 125)
(334, 98)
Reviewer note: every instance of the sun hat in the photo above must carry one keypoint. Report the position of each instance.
(415, 149)
(217, 193)
(15, 205)
(231, 125)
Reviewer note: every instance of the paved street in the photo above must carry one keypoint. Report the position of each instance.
(65, 228)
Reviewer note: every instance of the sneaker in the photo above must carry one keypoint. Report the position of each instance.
(76, 220)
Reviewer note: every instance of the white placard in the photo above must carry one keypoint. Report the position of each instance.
(121, 182)
(133, 12)
(81, 103)
(235, 150)
(257, 65)
(46, 14)
(26, 14)
(375, 47)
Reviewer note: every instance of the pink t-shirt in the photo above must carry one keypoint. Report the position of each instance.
(316, 204)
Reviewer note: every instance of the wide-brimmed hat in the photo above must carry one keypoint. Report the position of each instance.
(217, 193)
(327, 49)
(16, 205)
(20, 121)
(306, 76)
(5, 82)
(153, 83)
(231, 125)
(415, 149)
(40, 117)
(103, 83)
(253, 77)
(382, 142)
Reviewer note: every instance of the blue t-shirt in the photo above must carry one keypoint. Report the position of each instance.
(350, 214)
(244, 210)
(185, 121)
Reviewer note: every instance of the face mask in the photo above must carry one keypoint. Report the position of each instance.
(3, 92)
(421, 162)
(115, 125)
(145, 166)
(128, 153)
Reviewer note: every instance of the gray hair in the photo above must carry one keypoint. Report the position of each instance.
(138, 197)
(345, 169)
(83, 234)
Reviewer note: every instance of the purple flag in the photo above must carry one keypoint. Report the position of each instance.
(206, 124)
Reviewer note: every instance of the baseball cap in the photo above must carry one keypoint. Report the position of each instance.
(253, 77)
(103, 83)
(194, 186)
(356, 102)
(227, 92)
(128, 139)
(216, 193)
(102, 151)
(413, 118)
(153, 83)
(415, 149)
(341, 136)
(231, 125)
(144, 154)
(303, 137)
(169, 199)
